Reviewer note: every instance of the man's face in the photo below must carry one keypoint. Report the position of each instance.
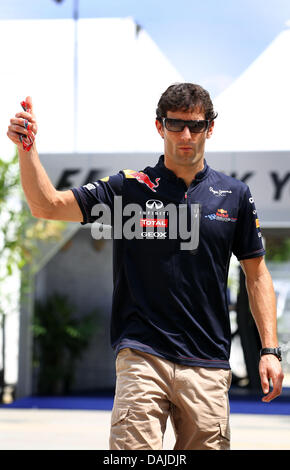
(184, 148)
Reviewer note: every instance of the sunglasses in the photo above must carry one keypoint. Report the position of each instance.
(177, 125)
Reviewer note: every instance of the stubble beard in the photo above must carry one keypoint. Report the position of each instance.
(191, 159)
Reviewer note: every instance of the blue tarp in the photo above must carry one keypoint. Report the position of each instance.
(238, 404)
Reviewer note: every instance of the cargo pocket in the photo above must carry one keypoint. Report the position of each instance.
(225, 436)
(118, 428)
(119, 415)
(135, 428)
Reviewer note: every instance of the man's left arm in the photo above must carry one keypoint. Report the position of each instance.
(262, 302)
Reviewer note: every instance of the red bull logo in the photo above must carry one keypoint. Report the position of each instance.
(222, 213)
(142, 178)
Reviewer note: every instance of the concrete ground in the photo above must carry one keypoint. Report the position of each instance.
(38, 429)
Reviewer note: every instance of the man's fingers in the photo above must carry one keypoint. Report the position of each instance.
(273, 394)
(19, 130)
(264, 378)
(20, 127)
(14, 137)
(25, 115)
(21, 124)
(28, 100)
(265, 385)
(268, 398)
(277, 381)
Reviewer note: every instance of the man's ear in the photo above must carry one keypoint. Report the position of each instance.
(159, 128)
(210, 130)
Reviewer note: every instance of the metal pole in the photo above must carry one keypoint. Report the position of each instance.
(76, 17)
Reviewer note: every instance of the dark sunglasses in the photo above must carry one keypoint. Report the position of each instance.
(177, 125)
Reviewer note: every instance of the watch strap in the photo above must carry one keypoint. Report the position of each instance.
(275, 351)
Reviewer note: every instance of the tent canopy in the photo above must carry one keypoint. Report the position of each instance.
(254, 110)
(107, 74)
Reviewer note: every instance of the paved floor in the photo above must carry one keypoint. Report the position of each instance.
(34, 429)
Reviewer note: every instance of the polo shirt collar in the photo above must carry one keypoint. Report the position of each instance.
(171, 175)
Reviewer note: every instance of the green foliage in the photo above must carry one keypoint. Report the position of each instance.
(60, 338)
(20, 234)
(19, 230)
(278, 249)
(9, 218)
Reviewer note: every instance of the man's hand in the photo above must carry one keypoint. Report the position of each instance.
(270, 368)
(23, 124)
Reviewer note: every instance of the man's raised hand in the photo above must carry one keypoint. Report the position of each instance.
(23, 127)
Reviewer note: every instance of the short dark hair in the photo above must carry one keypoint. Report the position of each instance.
(185, 97)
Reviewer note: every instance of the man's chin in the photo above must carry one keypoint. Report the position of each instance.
(187, 158)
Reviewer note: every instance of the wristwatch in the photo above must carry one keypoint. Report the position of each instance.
(275, 351)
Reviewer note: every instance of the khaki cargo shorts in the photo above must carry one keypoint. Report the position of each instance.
(149, 389)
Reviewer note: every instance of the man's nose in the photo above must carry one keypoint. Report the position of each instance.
(186, 134)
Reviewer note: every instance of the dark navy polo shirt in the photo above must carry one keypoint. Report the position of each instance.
(170, 296)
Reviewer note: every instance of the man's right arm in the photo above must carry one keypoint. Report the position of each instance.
(44, 200)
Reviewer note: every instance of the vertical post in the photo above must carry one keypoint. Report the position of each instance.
(76, 17)
(25, 358)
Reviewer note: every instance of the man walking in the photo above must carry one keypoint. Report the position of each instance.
(170, 326)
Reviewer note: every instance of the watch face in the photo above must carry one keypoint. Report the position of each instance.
(278, 353)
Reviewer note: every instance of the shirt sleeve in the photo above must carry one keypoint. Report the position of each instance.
(102, 192)
(248, 241)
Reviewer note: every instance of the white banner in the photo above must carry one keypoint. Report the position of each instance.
(266, 173)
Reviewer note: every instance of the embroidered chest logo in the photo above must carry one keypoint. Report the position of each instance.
(221, 215)
(219, 192)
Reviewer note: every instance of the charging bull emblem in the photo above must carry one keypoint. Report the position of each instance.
(142, 178)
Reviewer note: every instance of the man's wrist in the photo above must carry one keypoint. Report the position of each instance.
(274, 351)
(23, 153)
